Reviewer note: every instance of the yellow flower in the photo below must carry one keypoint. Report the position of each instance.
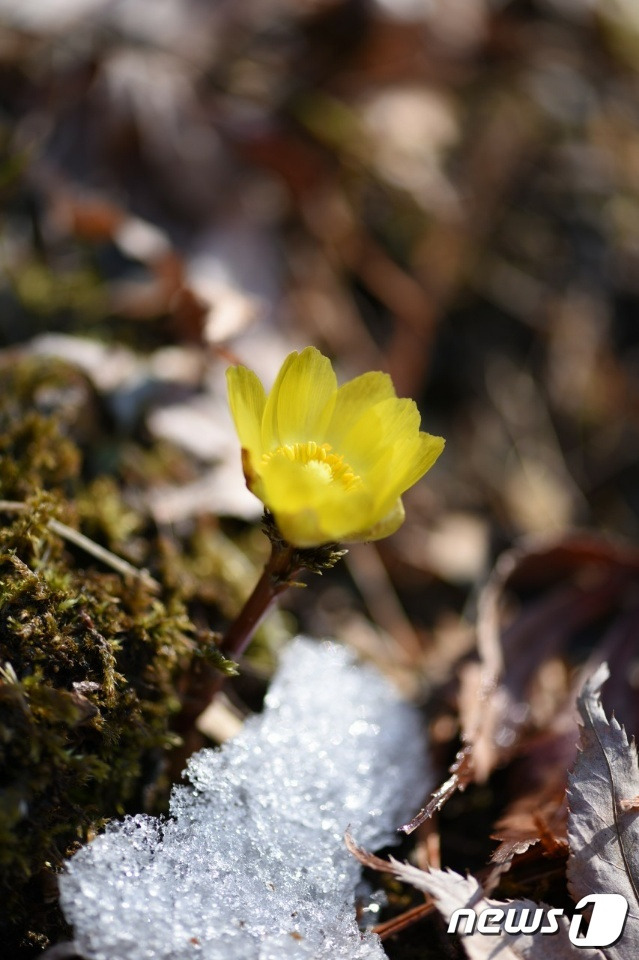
(329, 463)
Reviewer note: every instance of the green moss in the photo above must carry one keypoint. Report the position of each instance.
(89, 661)
(44, 291)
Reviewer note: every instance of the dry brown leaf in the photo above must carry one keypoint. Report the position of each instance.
(604, 837)
(450, 892)
(537, 816)
(536, 820)
(574, 581)
(540, 596)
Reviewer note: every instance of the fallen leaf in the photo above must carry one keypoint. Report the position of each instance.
(541, 596)
(450, 892)
(604, 838)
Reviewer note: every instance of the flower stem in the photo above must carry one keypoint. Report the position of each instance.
(281, 571)
(282, 568)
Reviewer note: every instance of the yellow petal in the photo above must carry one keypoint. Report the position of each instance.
(389, 523)
(353, 400)
(402, 465)
(246, 400)
(417, 458)
(344, 517)
(301, 402)
(375, 432)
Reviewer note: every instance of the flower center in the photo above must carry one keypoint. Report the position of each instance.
(317, 458)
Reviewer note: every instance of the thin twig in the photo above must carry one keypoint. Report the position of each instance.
(89, 546)
(101, 553)
(404, 920)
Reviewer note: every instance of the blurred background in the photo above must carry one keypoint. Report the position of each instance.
(444, 189)
(448, 191)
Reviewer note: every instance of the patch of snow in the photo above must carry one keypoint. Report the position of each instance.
(252, 863)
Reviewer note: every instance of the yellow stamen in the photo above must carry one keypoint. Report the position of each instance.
(326, 466)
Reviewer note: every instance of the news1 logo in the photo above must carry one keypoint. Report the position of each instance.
(607, 919)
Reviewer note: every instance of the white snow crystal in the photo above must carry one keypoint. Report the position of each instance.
(251, 865)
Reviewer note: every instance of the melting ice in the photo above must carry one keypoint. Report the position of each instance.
(251, 865)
